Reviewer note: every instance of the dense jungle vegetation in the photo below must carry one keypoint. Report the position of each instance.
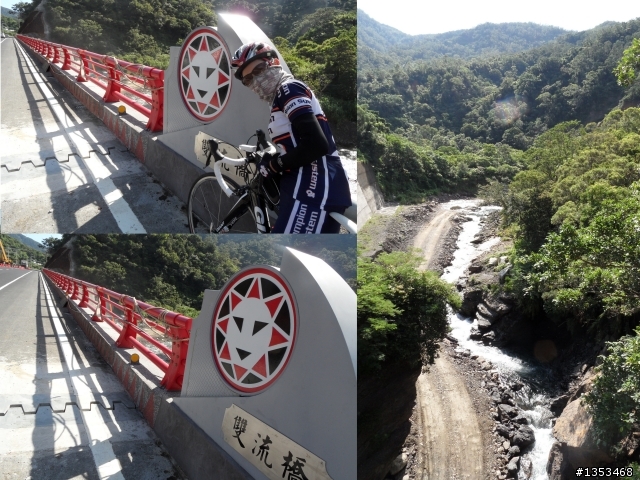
(552, 134)
(173, 271)
(575, 215)
(317, 38)
(456, 122)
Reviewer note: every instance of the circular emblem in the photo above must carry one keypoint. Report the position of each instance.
(204, 74)
(254, 329)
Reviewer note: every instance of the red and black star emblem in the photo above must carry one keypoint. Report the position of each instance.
(254, 329)
(204, 74)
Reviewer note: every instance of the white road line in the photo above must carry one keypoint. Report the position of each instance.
(107, 464)
(118, 206)
(6, 285)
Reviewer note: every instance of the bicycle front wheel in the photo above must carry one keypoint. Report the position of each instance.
(208, 207)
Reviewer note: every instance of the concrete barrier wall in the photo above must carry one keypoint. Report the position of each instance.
(195, 452)
(370, 199)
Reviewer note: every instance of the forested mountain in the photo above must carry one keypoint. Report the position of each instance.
(26, 241)
(449, 109)
(8, 12)
(173, 271)
(18, 251)
(380, 45)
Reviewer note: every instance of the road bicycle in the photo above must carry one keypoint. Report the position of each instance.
(220, 201)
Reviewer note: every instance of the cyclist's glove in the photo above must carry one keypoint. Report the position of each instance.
(269, 165)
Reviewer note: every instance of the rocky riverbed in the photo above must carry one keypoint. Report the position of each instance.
(504, 429)
(554, 373)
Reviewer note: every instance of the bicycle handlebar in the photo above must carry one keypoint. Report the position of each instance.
(239, 162)
(216, 168)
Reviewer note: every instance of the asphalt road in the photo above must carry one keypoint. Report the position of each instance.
(63, 413)
(62, 170)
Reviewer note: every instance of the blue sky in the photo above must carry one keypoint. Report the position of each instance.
(39, 237)
(414, 17)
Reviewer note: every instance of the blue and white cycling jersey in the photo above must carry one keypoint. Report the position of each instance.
(324, 182)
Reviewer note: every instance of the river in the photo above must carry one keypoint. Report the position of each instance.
(348, 159)
(511, 365)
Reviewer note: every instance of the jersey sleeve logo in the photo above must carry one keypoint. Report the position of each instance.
(296, 103)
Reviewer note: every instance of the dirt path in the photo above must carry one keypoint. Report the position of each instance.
(430, 237)
(452, 441)
(451, 446)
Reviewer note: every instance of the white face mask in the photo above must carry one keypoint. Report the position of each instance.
(266, 84)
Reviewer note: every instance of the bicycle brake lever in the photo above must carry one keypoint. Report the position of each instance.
(262, 140)
(213, 150)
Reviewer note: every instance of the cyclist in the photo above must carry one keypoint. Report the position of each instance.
(313, 181)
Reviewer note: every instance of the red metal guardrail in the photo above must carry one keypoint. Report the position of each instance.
(125, 315)
(118, 78)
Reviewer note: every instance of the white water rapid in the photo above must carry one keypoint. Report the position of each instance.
(511, 367)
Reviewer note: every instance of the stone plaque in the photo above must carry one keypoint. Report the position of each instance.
(275, 455)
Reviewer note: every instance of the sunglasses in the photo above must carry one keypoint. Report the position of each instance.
(257, 70)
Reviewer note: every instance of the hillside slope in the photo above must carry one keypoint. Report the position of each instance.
(382, 44)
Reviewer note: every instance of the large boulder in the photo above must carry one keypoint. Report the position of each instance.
(574, 429)
(399, 463)
(498, 306)
(489, 338)
(486, 312)
(502, 430)
(513, 328)
(475, 334)
(484, 324)
(524, 437)
(475, 268)
(507, 412)
(470, 300)
(557, 466)
(512, 467)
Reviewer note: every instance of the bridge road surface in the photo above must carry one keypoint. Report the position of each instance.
(50, 375)
(62, 170)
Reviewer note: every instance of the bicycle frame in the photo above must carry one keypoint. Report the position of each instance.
(251, 199)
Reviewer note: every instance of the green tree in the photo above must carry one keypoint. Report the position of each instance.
(625, 72)
(52, 244)
(402, 312)
(23, 9)
(614, 399)
(591, 272)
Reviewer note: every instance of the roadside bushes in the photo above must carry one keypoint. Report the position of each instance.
(402, 312)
